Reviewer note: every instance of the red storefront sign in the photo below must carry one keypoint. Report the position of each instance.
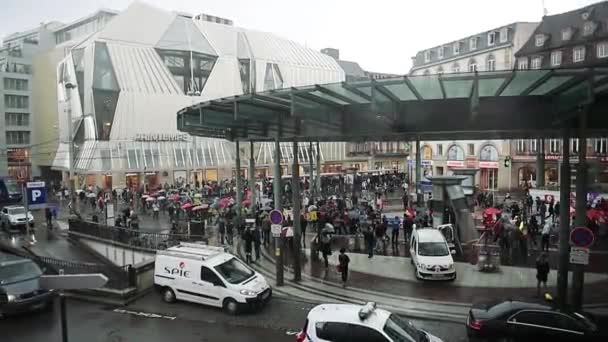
(488, 165)
(455, 163)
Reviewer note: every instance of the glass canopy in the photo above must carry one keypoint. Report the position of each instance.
(504, 104)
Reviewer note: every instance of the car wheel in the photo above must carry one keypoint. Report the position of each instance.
(416, 273)
(168, 295)
(231, 307)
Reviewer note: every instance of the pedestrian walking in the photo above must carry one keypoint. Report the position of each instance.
(326, 247)
(369, 241)
(546, 233)
(542, 272)
(221, 230)
(395, 234)
(257, 241)
(155, 210)
(248, 240)
(343, 261)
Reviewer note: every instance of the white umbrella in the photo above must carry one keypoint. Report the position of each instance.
(161, 198)
(91, 195)
(150, 199)
(144, 196)
(198, 195)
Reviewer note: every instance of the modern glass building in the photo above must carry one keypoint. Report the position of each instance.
(118, 92)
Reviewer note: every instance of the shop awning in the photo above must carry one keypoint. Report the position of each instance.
(479, 105)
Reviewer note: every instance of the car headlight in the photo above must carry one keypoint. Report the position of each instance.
(248, 293)
(422, 266)
(11, 297)
(450, 267)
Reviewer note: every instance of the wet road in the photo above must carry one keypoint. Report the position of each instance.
(150, 319)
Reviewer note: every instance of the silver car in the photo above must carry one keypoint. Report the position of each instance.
(20, 289)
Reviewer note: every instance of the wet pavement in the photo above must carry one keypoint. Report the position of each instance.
(150, 319)
(438, 291)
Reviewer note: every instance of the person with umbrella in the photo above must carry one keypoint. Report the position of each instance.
(326, 233)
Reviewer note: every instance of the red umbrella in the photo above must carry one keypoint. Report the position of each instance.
(491, 211)
(174, 197)
(187, 205)
(246, 203)
(596, 215)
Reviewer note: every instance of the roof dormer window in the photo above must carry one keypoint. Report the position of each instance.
(440, 52)
(491, 38)
(473, 43)
(567, 34)
(427, 56)
(539, 40)
(589, 28)
(456, 48)
(504, 34)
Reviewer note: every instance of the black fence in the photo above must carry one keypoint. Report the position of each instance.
(132, 237)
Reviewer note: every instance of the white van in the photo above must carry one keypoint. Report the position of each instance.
(431, 255)
(208, 275)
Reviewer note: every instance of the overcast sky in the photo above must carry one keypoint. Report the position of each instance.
(382, 35)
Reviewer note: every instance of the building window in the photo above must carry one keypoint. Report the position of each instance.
(602, 50)
(15, 84)
(427, 56)
(504, 34)
(600, 145)
(539, 40)
(174, 61)
(16, 101)
(536, 62)
(491, 63)
(491, 38)
(578, 54)
(18, 68)
(456, 48)
(456, 67)
(472, 65)
(440, 149)
(471, 149)
(556, 58)
(440, 52)
(566, 34)
(533, 145)
(17, 119)
(589, 28)
(488, 153)
(273, 78)
(522, 63)
(455, 152)
(17, 138)
(554, 146)
(574, 145)
(473, 43)
(521, 146)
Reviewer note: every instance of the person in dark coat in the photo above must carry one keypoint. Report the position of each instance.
(542, 272)
(343, 261)
(257, 241)
(369, 241)
(248, 239)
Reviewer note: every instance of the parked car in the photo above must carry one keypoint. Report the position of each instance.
(10, 191)
(523, 321)
(14, 217)
(208, 275)
(359, 323)
(431, 255)
(20, 289)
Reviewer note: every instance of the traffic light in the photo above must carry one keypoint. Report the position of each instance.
(507, 161)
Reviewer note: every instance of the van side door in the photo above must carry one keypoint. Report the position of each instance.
(210, 288)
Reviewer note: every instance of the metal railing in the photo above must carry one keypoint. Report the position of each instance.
(132, 237)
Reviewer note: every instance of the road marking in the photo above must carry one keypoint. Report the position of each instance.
(143, 314)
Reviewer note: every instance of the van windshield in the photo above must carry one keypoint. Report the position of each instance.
(11, 186)
(234, 271)
(433, 249)
(13, 273)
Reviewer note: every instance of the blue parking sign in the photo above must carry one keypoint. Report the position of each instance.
(36, 194)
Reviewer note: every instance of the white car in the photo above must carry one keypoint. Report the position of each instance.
(431, 255)
(359, 323)
(198, 273)
(14, 217)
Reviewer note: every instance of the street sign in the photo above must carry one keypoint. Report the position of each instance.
(579, 256)
(73, 281)
(275, 230)
(36, 194)
(276, 217)
(582, 237)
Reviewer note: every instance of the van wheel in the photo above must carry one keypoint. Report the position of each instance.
(231, 307)
(168, 295)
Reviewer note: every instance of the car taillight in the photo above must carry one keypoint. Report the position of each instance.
(301, 336)
(474, 324)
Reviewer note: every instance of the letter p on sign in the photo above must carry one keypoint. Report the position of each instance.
(35, 195)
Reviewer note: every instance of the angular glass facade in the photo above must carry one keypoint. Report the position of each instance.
(105, 91)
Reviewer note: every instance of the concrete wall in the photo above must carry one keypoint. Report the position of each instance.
(118, 255)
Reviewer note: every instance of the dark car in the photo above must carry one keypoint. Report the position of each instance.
(20, 289)
(10, 191)
(522, 321)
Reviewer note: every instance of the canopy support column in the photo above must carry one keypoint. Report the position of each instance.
(252, 187)
(278, 205)
(564, 221)
(419, 196)
(540, 163)
(239, 182)
(312, 189)
(580, 219)
(318, 179)
(297, 232)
